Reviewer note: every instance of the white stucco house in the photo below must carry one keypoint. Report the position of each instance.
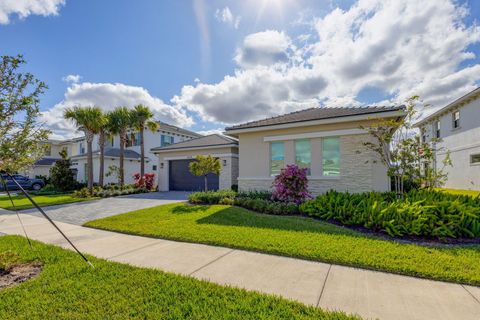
(327, 141)
(457, 129)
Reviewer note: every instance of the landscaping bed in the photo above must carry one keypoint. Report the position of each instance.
(297, 236)
(67, 288)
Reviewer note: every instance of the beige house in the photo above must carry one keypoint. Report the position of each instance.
(173, 163)
(327, 141)
(455, 128)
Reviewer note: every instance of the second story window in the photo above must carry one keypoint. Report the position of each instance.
(82, 148)
(424, 135)
(165, 140)
(437, 129)
(456, 119)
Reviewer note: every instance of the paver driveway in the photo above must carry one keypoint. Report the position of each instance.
(81, 212)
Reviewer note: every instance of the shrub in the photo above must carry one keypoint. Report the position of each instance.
(418, 213)
(147, 181)
(211, 197)
(291, 185)
(265, 195)
(109, 191)
(82, 193)
(61, 175)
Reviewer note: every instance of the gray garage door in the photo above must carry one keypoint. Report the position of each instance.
(181, 179)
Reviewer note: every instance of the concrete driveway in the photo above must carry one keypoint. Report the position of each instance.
(80, 212)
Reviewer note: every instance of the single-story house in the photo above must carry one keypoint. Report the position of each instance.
(173, 163)
(327, 141)
(112, 156)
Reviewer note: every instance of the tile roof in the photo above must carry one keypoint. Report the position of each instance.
(45, 162)
(205, 141)
(315, 114)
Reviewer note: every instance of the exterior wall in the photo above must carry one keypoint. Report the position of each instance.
(37, 171)
(360, 168)
(462, 142)
(228, 174)
(131, 167)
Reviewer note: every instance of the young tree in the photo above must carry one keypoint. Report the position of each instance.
(20, 132)
(119, 120)
(141, 118)
(401, 151)
(205, 165)
(61, 174)
(88, 120)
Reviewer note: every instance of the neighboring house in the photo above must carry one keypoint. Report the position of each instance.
(327, 141)
(457, 128)
(174, 160)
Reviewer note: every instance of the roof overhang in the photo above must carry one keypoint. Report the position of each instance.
(369, 116)
(460, 102)
(214, 146)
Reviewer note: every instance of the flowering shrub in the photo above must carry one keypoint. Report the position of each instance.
(291, 185)
(144, 182)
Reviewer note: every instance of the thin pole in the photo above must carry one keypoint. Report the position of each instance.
(49, 220)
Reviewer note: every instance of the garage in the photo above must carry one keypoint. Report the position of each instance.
(173, 163)
(180, 178)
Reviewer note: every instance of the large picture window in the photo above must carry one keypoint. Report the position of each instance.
(277, 157)
(303, 154)
(331, 156)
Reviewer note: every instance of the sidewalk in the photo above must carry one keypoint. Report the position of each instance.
(370, 294)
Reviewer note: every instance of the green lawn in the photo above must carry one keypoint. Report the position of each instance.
(21, 202)
(472, 193)
(296, 237)
(68, 289)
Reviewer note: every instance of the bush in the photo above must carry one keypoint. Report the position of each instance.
(109, 191)
(418, 213)
(147, 181)
(212, 197)
(61, 175)
(264, 195)
(291, 185)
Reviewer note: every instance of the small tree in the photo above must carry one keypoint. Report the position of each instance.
(20, 132)
(113, 170)
(61, 174)
(205, 165)
(291, 185)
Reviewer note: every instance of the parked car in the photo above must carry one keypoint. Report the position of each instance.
(25, 182)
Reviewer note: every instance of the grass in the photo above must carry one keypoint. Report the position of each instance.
(297, 237)
(473, 193)
(68, 289)
(21, 202)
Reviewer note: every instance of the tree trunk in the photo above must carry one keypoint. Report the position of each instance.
(90, 162)
(101, 142)
(142, 152)
(206, 182)
(122, 156)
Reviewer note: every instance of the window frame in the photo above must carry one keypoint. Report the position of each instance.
(455, 122)
(437, 129)
(338, 138)
(271, 156)
(309, 168)
(475, 163)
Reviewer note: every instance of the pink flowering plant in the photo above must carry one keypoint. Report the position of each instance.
(146, 181)
(291, 185)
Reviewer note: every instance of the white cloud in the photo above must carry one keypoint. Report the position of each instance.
(263, 48)
(24, 8)
(225, 15)
(400, 47)
(108, 96)
(211, 131)
(72, 78)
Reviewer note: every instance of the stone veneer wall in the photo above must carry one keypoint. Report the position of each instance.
(360, 171)
(229, 173)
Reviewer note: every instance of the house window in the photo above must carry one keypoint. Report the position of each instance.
(112, 141)
(134, 140)
(154, 168)
(456, 119)
(331, 156)
(475, 158)
(437, 129)
(277, 157)
(424, 135)
(82, 148)
(165, 140)
(303, 154)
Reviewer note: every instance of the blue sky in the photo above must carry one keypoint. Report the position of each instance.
(208, 64)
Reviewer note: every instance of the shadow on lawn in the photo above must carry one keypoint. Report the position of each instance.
(240, 217)
(189, 209)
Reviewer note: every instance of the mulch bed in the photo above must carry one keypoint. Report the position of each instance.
(19, 273)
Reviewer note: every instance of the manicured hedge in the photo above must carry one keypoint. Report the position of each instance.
(417, 213)
(213, 197)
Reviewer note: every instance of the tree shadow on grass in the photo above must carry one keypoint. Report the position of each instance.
(240, 217)
(189, 209)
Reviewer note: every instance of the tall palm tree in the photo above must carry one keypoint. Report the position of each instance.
(141, 119)
(87, 120)
(119, 120)
(103, 133)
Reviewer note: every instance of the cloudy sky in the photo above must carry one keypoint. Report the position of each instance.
(204, 65)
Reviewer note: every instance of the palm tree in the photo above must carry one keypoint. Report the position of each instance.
(119, 120)
(141, 118)
(86, 119)
(103, 133)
